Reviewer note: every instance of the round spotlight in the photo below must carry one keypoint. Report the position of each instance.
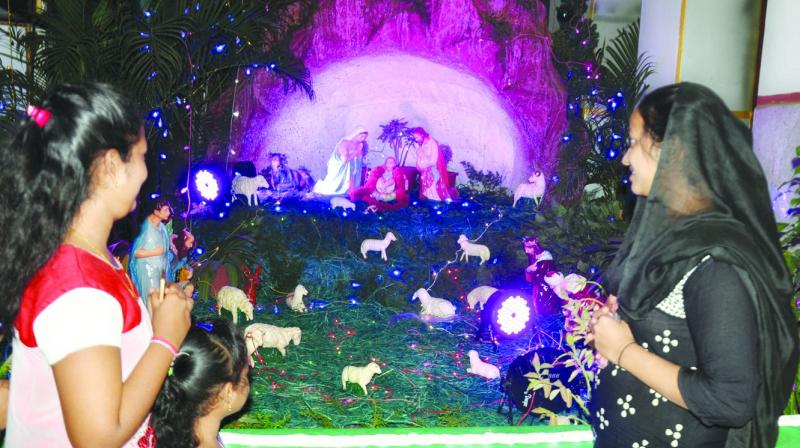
(507, 314)
(206, 184)
(513, 315)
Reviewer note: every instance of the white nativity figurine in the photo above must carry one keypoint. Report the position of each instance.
(343, 203)
(270, 336)
(432, 306)
(480, 368)
(377, 245)
(479, 296)
(234, 300)
(294, 300)
(360, 375)
(533, 189)
(473, 250)
(248, 186)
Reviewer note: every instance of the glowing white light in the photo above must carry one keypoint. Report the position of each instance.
(206, 184)
(513, 315)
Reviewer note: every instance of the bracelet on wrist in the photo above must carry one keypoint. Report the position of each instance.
(166, 344)
(622, 352)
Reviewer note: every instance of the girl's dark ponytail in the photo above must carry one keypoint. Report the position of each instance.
(47, 175)
(208, 359)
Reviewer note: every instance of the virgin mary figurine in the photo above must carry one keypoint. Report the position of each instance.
(344, 166)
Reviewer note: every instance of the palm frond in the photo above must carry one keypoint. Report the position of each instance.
(625, 69)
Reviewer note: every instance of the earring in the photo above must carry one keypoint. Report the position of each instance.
(230, 408)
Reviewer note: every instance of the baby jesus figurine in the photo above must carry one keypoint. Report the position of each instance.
(385, 189)
(385, 186)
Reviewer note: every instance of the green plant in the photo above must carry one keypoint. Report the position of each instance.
(178, 57)
(790, 241)
(790, 231)
(577, 309)
(489, 183)
(399, 137)
(229, 253)
(603, 85)
(259, 420)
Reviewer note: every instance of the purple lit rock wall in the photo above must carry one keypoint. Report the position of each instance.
(490, 92)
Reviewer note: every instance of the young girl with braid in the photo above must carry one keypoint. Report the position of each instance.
(208, 382)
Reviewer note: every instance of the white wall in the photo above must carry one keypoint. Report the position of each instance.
(658, 38)
(780, 59)
(776, 126)
(612, 15)
(719, 48)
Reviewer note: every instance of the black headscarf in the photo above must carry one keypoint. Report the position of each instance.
(710, 196)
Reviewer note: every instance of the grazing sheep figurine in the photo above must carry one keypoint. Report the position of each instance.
(360, 375)
(234, 300)
(473, 250)
(480, 368)
(533, 189)
(265, 335)
(295, 299)
(377, 245)
(432, 306)
(343, 203)
(479, 295)
(248, 186)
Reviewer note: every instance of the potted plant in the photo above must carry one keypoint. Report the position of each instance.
(399, 137)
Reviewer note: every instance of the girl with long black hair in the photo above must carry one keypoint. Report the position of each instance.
(209, 381)
(88, 362)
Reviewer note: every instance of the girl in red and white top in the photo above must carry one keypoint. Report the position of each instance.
(88, 359)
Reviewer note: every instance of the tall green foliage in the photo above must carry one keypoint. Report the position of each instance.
(603, 84)
(164, 53)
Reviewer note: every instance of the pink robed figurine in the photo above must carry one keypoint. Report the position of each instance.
(433, 183)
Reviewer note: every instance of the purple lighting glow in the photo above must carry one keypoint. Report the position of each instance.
(446, 74)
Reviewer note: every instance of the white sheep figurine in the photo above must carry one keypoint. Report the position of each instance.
(480, 295)
(377, 245)
(432, 306)
(343, 203)
(480, 368)
(265, 335)
(533, 189)
(234, 300)
(360, 375)
(248, 186)
(473, 250)
(295, 299)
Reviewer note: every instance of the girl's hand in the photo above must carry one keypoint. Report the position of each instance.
(171, 315)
